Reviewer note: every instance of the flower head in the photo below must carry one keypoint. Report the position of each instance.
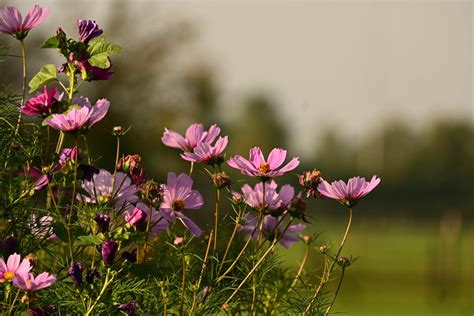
(195, 134)
(11, 21)
(139, 216)
(109, 250)
(103, 221)
(348, 194)
(81, 118)
(28, 282)
(103, 190)
(271, 231)
(75, 272)
(177, 197)
(273, 200)
(88, 29)
(257, 166)
(13, 266)
(310, 180)
(43, 103)
(69, 154)
(128, 308)
(206, 153)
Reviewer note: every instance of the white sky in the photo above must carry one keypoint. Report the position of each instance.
(348, 65)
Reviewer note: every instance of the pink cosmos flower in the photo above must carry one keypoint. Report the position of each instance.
(206, 153)
(139, 217)
(80, 118)
(178, 196)
(273, 200)
(195, 134)
(43, 102)
(28, 282)
(348, 194)
(13, 23)
(13, 266)
(100, 190)
(40, 179)
(257, 166)
(269, 230)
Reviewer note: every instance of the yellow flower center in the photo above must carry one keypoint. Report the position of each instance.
(178, 205)
(8, 275)
(264, 168)
(104, 199)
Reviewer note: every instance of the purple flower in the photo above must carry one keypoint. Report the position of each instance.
(75, 272)
(130, 255)
(41, 228)
(177, 197)
(273, 200)
(100, 190)
(139, 216)
(348, 194)
(28, 282)
(13, 266)
(109, 250)
(69, 154)
(42, 104)
(40, 179)
(103, 221)
(128, 308)
(13, 23)
(88, 171)
(271, 231)
(195, 134)
(257, 166)
(79, 118)
(204, 152)
(91, 274)
(88, 29)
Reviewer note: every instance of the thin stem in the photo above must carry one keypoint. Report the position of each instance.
(234, 232)
(269, 250)
(59, 144)
(86, 147)
(337, 291)
(201, 274)
(300, 270)
(328, 273)
(73, 199)
(23, 93)
(183, 286)
(13, 303)
(216, 218)
(117, 155)
(262, 211)
(102, 291)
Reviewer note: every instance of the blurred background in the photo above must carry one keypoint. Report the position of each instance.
(352, 87)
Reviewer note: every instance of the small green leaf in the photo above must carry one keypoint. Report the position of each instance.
(99, 50)
(46, 75)
(60, 231)
(89, 240)
(100, 60)
(52, 42)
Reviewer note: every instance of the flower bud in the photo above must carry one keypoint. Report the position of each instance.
(118, 130)
(178, 241)
(344, 262)
(75, 272)
(237, 198)
(137, 218)
(129, 163)
(109, 250)
(221, 180)
(310, 180)
(91, 275)
(128, 308)
(306, 239)
(323, 249)
(102, 221)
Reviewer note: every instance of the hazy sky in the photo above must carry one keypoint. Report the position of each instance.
(348, 65)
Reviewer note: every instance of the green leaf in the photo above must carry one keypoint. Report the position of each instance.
(46, 75)
(89, 240)
(60, 231)
(99, 50)
(52, 42)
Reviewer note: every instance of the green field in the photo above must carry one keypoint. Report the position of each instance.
(403, 267)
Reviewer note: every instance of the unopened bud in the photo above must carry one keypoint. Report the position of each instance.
(221, 180)
(310, 180)
(118, 130)
(344, 262)
(306, 239)
(323, 249)
(178, 241)
(32, 259)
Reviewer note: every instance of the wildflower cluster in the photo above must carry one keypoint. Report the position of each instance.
(119, 241)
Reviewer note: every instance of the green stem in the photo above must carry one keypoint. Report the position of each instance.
(337, 291)
(23, 94)
(102, 291)
(117, 155)
(13, 303)
(191, 167)
(201, 274)
(183, 286)
(300, 270)
(216, 219)
(73, 199)
(232, 237)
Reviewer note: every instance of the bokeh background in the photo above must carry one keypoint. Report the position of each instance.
(352, 87)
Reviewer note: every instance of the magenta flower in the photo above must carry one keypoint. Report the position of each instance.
(79, 118)
(195, 134)
(108, 251)
(69, 155)
(138, 217)
(257, 166)
(177, 197)
(13, 23)
(88, 29)
(270, 231)
(103, 190)
(28, 282)
(13, 266)
(273, 200)
(43, 103)
(206, 153)
(348, 194)
(40, 179)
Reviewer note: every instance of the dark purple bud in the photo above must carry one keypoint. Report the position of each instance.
(130, 256)
(88, 171)
(36, 311)
(128, 308)
(75, 272)
(109, 250)
(102, 221)
(91, 275)
(88, 29)
(69, 154)
(9, 246)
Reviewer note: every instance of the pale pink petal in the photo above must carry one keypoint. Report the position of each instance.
(256, 157)
(276, 157)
